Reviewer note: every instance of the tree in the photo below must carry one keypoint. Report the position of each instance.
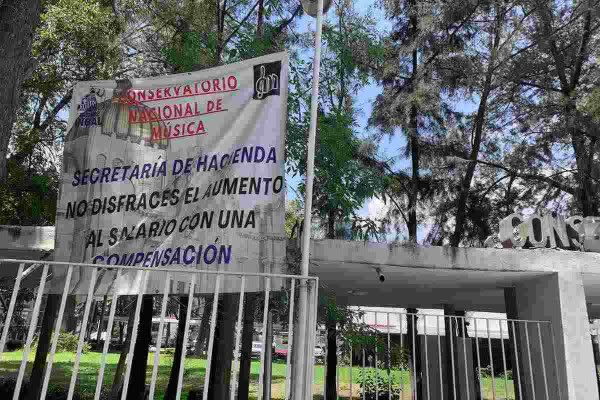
(75, 41)
(564, 35)
(411, 97)
(18, 21)
(341, 184)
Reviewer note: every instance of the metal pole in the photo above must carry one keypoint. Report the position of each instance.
(268, 351)
(310, 167)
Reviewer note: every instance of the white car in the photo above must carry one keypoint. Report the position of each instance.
(319, 353)
(257, 348)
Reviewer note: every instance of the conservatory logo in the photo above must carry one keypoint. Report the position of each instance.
(548, 230)
(266, 80)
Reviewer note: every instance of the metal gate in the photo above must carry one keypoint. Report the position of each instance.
(411, 356)
(29, 290)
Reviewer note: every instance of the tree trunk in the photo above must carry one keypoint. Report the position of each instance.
(137, 379)
(70, 320)
(260, 20)
(171, 392)
(246, 346)
(414, 351)
(463, 197)
(18, 20)
(413, 136)
(99, 341)
(596, 352)
(450, 369)
(510, 302)
(118, 378)
(222, 355)
(330, 374)
(414, 151)
(121, 326)
(90, 322)
(168, 335)
(39, 364)
(204, 327)
(268, 365)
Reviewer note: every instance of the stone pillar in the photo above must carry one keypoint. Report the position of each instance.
(558, 297)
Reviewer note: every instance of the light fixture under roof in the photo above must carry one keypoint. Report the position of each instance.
(357, 292)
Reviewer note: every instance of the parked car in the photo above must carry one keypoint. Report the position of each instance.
(319, 353)
(257, 349)
(280, 348)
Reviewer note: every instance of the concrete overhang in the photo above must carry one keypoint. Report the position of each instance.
(418, 276)
(415, 276)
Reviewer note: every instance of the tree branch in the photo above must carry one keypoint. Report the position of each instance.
(522, 175)
(585, 38)
(286, 22)
(237, 28)
(59, 106)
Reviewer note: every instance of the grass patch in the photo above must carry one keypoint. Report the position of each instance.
(194, 376)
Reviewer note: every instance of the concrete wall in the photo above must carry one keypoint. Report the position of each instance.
(559, 298)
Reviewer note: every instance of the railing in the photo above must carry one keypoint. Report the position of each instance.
(271, 292)
(413, 356)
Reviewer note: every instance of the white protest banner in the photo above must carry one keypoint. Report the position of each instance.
(184, 170)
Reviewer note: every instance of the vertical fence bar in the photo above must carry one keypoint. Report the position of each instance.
(376, 371)
(451, 334)
(61, 312)
(364, 380)
(400, 319)
(161, 324)
(529, 358)
(414, 346)
(105, 347)
(86, 314)
(437, 319)
(543, 361)
(312, 332)
(478, 358)
(376, 366)
(288, 364)
(261, 373)
(464, 338)
(504, 359)
(325, 364)
(337, 381)
(516, 361)
(11, 308)
(487, 323)
(211, 338)
(351, 392)
(389, 358)
(188, 316)
(31, 332)
(426, 355)
(238, 338)
(143, 274)
(555, 362)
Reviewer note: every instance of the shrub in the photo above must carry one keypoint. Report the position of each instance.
(377, 383)
(67, 342)
(12, 345)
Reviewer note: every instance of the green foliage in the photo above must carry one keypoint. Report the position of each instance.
(76, 41)
(377, 382)
(293, 216)
(591, 105)
(67, 342)
(341, 184)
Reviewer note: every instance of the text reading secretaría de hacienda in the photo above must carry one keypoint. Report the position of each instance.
(204, 163)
